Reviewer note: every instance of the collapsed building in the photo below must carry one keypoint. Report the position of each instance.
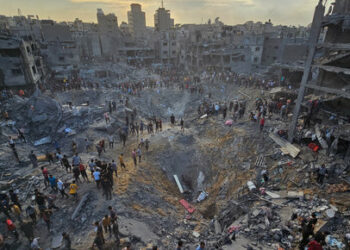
(228, 181)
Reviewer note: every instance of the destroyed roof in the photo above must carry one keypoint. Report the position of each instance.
(332, 57)
(334, 19)
(334, 69)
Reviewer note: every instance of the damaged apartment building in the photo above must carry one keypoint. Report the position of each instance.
(240, 48)
(324, 95)
(21, 65)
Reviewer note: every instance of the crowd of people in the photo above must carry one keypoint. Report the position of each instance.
(100, 172)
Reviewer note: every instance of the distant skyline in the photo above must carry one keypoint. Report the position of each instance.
(231, 12)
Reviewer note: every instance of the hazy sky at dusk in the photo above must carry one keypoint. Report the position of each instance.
(290, 12)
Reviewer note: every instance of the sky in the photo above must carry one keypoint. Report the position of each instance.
(286, 12)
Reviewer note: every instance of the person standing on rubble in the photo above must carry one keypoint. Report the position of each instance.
(111, 141)
(139, 153)
(14, 198)
(134, 157)
(53, 182)
(106, 223)
(115, 231)
(49, 157)
(107, 119)
(76, 160)
(40, 200)
(67, 243)
(106, 187)
(30, 211)
(76, 174)
(99, 232)
(262, 123)
(315, 244)
(142, 125)
(97, 178)
(121, 161)
(47, 218)
(73, 190)
(172, 119)
(74, 147)
(33, 159)
(114, 168)
(61, 188)
(45, 173)
(66, 163)
(321, 174)
(182, 124)
(147, 144)
(21, 135)
(13, 147)
(11, 227)
(307, 230)
(83, 173)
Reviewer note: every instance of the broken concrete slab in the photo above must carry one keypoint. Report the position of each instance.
(285, 145)
(178, 184)
(42, 141)
(80, 205)
(295, 194)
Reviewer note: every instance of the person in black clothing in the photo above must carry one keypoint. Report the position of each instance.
(33, 159)
(40, 200)
(21, 136)
(66, 163)
(307, 230)
(76, 173)
(49, 157)
(30, 211)
(179, 245)
(172, 119)
(67, 242)
(14, 199)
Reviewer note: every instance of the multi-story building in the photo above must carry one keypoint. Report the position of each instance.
(58, 45)
(137, 21)
(162, 20)
(107, 23)
(20, 63)
(166, 47)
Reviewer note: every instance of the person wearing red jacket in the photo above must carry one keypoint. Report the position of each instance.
(12, 228)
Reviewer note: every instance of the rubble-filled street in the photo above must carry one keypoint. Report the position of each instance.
(130, 137)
